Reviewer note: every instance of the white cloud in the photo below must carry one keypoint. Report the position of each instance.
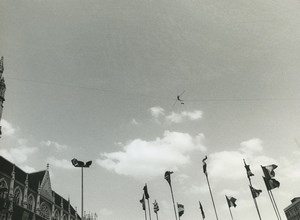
(141, 159)
(195, 189)
(54, 144)
(174, 117)
(7, 128)
(18, 154)
(134, 121)
(157, 111)
(222, 164)
(63, 163)
(28, 169)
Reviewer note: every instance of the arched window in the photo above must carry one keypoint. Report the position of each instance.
(31, 203)
(56, 215)
(45, 211)
(17, 196)
(3, 189)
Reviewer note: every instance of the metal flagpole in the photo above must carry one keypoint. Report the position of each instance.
(201, 209)
(275, 204)
(212, 198)
(173, 201)
(156, 216)
(145, 208)
(178, 212)
(149, 209)
(81, 192)
(229, 207)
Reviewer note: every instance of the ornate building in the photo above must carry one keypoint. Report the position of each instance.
(292, 212)
(2, 89)
(29, 196)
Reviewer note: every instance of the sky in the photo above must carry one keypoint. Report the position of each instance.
(97, 80)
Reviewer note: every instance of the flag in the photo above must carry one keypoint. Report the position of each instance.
(143, 203)
(255, 192)
(168, 176)
(1, 65)
(271, 183)
(180, 209)
(231, 201)
(248, 171)
(202, 212)
(269, 170)
(204, 165)
(156, 207)
(146, 192)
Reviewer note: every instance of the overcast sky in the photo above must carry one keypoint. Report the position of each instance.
(97, 80)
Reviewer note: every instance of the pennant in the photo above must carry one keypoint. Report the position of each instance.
(255, 192)
(180, 209)
(143, 203)
(248, 171)
(146, 192)
(271, 183)
(204, 165)
(202, 212)
(269, 170)
(156, 207)
(168, 176)
(231, 201)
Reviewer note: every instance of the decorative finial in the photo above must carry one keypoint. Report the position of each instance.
(1, 65)
(48, 166)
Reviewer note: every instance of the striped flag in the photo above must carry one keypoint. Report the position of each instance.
(255, 192)
(204, 165)
(269, 170)
(231, 201)
(156, 207)
(202, 212)
(168, 176)
(248, 171)
(271, 183)
(180, 209)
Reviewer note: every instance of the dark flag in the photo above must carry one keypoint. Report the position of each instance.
(146, 192)
(202, 212)
(248, 171)
(143, 202)
(231, 201)
(156, 207)
(168, 176)
(269, 170)
(255, 192)
(1, 65)
(180, 209)
(271, 183)
(204, 165)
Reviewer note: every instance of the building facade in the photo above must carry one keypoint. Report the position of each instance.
(29, 196)
(2, 89)
(292, 212)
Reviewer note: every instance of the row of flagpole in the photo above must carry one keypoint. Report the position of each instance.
(268, 178)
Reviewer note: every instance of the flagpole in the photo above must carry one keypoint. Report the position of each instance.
(156, 216)
(201, 210)
(212, 198)
(173, 201)
(275, 203)
(178, 213)
(229, 208)
(145, 207)
(149, 209)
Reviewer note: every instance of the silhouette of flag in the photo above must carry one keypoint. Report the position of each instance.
(204, 165)
(248, 171)
(202, 212)
(156, 207)
(1, 65)
(168, 176)
(143, 203)
(231, 201)
(269, 170)
(271, 183)
(180, 209)
(146, 192)
(255, 192)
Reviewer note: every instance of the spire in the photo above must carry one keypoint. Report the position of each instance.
(1, 66)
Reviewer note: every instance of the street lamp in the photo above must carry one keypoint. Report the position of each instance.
(78, 163)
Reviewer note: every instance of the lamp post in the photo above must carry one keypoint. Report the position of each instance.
(81, 164)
